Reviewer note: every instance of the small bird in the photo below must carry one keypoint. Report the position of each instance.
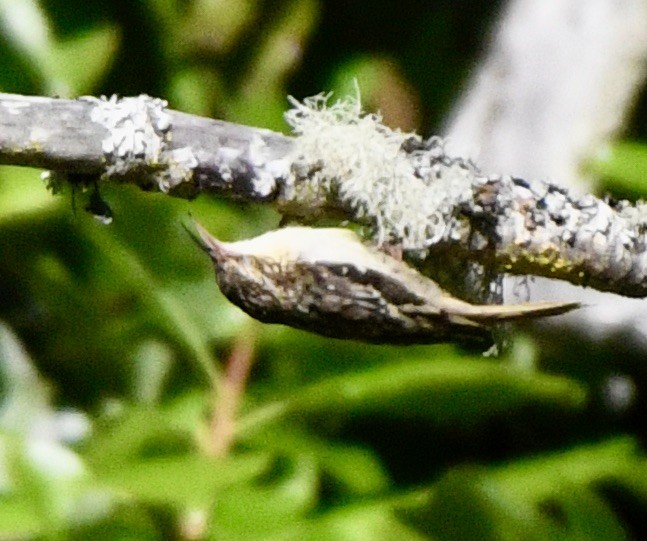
(327, 281)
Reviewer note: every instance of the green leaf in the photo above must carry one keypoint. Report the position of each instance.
(182, 481)
(452, 391)
(467, 506)
(126, 522)
(462, 508)
(145, 430)
(581, 514)
(252, 511)
(374, 521)
(551, 497)
(352, 470)
(170, 312)
(538, 477)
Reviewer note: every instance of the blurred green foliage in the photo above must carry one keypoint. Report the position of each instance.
(114, 340)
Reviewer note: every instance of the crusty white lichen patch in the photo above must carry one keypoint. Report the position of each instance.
(136, 128)
(266, 171)
(408, 192)
(138, 131)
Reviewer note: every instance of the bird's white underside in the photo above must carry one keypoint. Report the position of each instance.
(312, 245)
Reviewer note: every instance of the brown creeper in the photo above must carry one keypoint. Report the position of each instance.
(329, 282)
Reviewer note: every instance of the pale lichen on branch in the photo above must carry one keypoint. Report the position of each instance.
(402, 185)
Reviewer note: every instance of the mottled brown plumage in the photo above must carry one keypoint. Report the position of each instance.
(328, 282)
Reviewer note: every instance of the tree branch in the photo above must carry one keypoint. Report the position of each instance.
(139, 140)
(408, 190)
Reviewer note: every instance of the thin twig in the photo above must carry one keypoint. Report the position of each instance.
(228, 398)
